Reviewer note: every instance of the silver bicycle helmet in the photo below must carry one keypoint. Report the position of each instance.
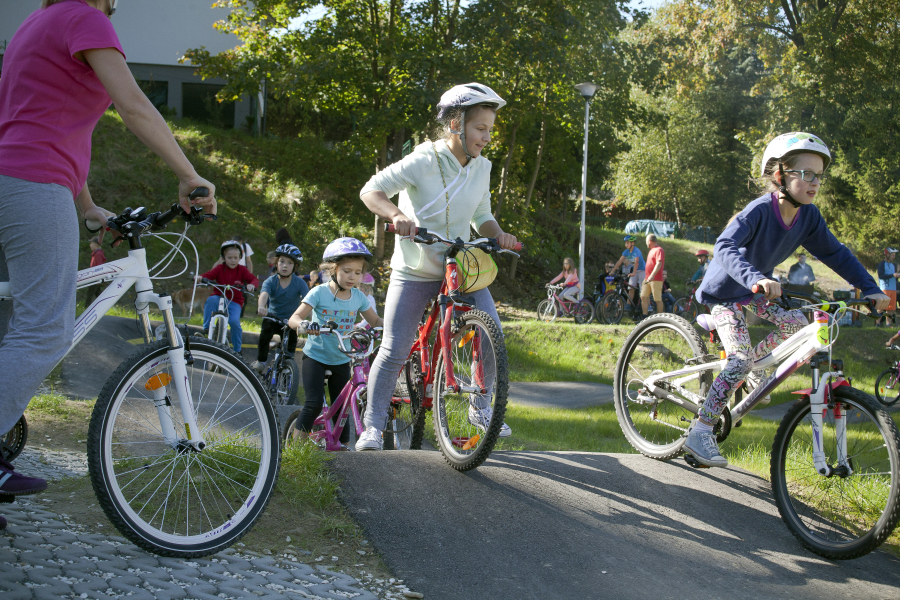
(462, 96)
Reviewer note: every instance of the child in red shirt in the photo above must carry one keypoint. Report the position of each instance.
(229, 273)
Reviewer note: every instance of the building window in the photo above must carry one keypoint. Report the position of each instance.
(198, 102)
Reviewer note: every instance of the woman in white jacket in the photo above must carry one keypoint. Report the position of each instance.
(444, 186)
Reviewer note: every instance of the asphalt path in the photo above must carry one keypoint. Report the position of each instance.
(561, 525)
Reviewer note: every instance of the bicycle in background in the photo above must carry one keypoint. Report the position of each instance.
(462, 374)
(218, 322)
(580, 310)
(835, 460)
(282, 375)
(182, 460)
(887, 386)
(688, 307)
(611, 306)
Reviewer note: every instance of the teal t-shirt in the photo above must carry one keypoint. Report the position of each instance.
(635, 255)
(284, 301)
(325, 348)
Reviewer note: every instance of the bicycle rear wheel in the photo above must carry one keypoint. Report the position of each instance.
(403, 414)
(887, 387)
(612, 308)
(851, 512)
(286, 380)
(583, 312)
(415, 386)
(164, 495)
(659, 344)
(479, 364)
(547, 310)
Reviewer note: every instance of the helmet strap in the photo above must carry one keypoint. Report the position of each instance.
(334, 279)
(462, 134)
(783, 190)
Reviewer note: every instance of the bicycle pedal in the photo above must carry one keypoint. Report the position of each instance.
(7, 498)
(693, 462)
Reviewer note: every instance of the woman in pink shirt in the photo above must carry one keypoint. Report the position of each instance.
(61, 70)
(571, 283)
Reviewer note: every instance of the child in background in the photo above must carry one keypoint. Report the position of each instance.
(229, 272)
(668, 298)
(571, 283)
(366, 285)
(703, 259)
(271, 259)
(97, 259)
(753, 243)
(279, 297)
(345, 261)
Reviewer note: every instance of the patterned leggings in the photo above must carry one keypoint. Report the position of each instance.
(732, 328)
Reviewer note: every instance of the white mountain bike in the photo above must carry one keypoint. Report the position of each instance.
(183, 460)
(835, 464)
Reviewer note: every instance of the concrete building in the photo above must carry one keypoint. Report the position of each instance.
(155, 34)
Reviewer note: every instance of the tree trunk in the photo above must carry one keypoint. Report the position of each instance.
(379, 222)
(674, 193)
(512, 267)
(540, 153)
(505, 175)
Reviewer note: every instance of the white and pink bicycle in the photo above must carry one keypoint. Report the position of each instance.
(835, 463)
(183, 444)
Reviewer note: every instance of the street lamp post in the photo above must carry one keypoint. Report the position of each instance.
(587, 91)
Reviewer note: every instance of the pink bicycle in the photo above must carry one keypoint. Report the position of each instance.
(351, 402)
(581, 310)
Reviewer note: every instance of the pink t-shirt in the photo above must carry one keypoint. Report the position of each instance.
(50, 101)
(656, 255)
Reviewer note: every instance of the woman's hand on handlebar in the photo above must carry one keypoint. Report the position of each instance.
(403, 226)
(188, 185)
(507, 241)
(882, 301)
(770, 288)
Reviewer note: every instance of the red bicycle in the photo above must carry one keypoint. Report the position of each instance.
(688, 307)
(457, 364)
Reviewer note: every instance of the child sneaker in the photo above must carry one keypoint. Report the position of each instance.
(259, 367)
(14, 484)
(370, 440)
(481, 418)
(703, 447)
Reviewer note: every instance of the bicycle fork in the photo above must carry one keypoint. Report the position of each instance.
(819, 404)
(158, 384)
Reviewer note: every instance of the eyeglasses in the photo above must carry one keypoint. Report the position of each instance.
(810, 176)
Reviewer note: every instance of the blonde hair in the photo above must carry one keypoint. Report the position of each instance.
(330, 267)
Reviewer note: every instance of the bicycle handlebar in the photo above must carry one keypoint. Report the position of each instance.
(364, 336)
(423, 236)
(225, 288)
(136, 220)
(825, 305)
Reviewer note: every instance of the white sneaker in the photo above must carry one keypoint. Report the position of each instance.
(370, 439)
(704, 448)
(754, 378)
(481, 418)
(259, 367)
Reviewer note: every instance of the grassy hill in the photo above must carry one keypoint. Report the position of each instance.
(312, 189)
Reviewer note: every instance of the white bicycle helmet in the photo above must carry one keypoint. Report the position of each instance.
(795, 142)
(788, 144)
(461, 96)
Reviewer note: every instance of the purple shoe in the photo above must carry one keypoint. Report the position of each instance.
(14, 484)
(2, 522)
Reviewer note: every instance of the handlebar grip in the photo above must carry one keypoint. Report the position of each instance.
(389, 228)
(755, 289)
(199, 192)
(519, 246)
(92, 225)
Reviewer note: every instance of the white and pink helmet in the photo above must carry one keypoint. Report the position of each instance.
(795, 142)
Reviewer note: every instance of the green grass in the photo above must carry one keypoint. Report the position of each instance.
(49, 404)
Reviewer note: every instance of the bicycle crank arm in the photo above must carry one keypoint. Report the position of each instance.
(666, 395)
(470, 389)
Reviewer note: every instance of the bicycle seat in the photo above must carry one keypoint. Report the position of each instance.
(706, 322)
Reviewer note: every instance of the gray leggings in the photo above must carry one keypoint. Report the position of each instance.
(403, 308)
(39, 258)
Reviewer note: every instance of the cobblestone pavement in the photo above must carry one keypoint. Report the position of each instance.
(47, 555)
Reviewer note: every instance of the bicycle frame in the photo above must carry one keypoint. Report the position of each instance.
(567, 306)
(790, 355)
(122, 275)
(334, 418)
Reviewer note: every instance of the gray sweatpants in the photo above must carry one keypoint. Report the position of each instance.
(403, 308)
(39, 257)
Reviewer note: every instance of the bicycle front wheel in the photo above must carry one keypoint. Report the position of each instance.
(163, 494)
(887, 387)
(659, 344)
(468, 417)
(286, 380)
(612, 308)
(583, 312)
(852, 511)
(546, 311)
